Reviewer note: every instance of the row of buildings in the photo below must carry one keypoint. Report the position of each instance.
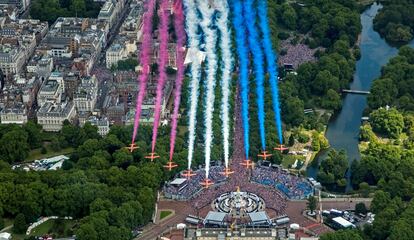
(46, 71)
(61, 72)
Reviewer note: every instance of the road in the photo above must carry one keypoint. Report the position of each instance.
(104, 75)
(152, 231)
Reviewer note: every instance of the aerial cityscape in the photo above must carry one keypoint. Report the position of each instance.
(206, 119)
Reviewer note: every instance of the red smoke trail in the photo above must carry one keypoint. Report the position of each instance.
(181, 38)
(162, 62)
(145, 60)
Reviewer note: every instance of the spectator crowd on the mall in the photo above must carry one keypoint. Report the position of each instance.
(292, 186)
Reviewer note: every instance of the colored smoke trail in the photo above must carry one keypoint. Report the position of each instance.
(163, 57)
(256, 50)
(180, 33)
(225, 45)
(211, 69)
(192, 23)
(145, 60)
(271, 59)
(243, 69)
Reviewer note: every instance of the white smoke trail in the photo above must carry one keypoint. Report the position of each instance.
(227, 58)
(191, 23)
(210, 39)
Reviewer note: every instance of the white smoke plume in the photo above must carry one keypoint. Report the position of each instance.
(191, 23)
(210, 35)
(227, 58)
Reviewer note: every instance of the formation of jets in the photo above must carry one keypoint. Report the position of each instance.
(206, 183)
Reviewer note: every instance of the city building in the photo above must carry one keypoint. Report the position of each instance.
(21, 5)
(75, 44)
(51, 90)
(52, 115)
(15, 115)
(71, 81)
(243, 233)
(114, 54)
(18, 40)
(11, 59)
(86, 94)
(132, 26)
(102, 124)
(108, 13)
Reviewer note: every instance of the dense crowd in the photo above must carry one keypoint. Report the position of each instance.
(192, 186)
(296, 54)
(293, 186)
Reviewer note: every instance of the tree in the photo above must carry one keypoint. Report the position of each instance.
(381, 201)
(292, 111)
(387, 121)
(86, 232)
(383, 93)
(364, 188)
(332, 100)
(100, 205)
(312, 203)
(13, 146)
(333, 168)
(315, 144)
(291, 141)
(325, 81)
(289, 16)
(341, 235)
(366, 134)
(72, 134)
(122, 158)
(360, 208)
(78, 7)
(55, 144)
(19, 225)
(89, 147)
(34, 134)
(43, 150)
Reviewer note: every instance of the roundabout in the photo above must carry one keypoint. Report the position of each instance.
(238, 204)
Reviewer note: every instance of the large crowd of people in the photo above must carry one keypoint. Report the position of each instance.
(296, 54)
(292, 186)
(193, 186)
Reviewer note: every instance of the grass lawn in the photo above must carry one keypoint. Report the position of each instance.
(165, 213)
(36, 154)
(48, 228)
(289, 160)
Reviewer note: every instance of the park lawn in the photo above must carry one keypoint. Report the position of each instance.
(36, 154)
(289, 160)
(47, 228)
(165, 213)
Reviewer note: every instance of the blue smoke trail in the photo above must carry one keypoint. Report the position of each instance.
(243, 72)
(271, 59)
(256, 50)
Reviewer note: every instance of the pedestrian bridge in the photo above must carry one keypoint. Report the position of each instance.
(355, 91)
